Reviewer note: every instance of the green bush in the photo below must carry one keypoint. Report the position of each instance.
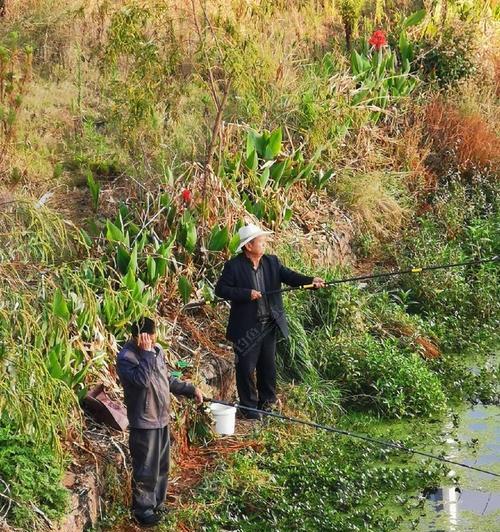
(449, 56)
(382, 374)
(33, 475)
(459, 304)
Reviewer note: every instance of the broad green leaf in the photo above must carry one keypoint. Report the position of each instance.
(171, 214)
(86, 237)
(165, 249)
(123, 210)
(132, 230)
(59, 306)
(113, 233)
(356, 65)
(277, 171)
(207, 293)
(273, 147)
(122, 259)
(161, 267)
(219, 239)
(414, 18)
(140, 285)
(185, 288)
(261, 142)
(252, 161)
(251, 142)
(287, 215)
(264, 178)
(132, 265)
(129, 280)
(191, 237)
(53, 364)
(151, 266)
(168, 177)
(165, 200)
(233, 243)
(94, 188)
(404, 47)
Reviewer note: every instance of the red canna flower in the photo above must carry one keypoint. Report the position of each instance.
(378, 39)
(187, 196)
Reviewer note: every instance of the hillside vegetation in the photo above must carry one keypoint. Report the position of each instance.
(138, 136)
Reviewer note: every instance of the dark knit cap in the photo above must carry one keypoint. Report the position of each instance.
(144, 325)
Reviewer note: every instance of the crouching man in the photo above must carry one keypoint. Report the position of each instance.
(147, 386)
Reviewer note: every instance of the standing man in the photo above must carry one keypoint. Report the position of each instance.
(255, 317)
(147, 386)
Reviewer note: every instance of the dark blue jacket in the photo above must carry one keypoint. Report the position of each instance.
(147, 386)
(236, 284)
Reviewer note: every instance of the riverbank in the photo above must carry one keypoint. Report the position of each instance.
(138, 136)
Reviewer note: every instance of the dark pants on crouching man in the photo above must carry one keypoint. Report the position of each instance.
(149, 450)
(258, 356)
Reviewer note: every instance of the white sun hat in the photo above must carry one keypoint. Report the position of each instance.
(248, 233)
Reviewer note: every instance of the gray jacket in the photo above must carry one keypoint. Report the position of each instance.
(147, 386)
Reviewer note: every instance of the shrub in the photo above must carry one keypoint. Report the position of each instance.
(33, 475)
(382, 373)
(449, 56)
(460, 139)
(460, 304)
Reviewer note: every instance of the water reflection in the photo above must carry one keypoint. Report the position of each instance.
(473, 505)
(445, 500)
(453, 502)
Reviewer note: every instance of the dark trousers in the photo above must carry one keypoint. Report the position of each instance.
(150, 450)
(257, 355)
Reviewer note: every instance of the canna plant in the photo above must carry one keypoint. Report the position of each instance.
(381, 76)
(219, 238)
(139, 251)
(263, 175)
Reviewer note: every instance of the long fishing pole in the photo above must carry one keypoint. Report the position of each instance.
(382, 443)
(386, 274)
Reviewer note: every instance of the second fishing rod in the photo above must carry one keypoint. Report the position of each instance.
(413, 270)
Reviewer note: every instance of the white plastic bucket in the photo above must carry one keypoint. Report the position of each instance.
(224, 418)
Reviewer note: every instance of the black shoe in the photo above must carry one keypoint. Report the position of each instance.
(148, 520)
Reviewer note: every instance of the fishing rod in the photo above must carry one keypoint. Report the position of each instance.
(386, 274)
(382, 443)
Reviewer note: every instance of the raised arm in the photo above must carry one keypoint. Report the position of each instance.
(136, 371)
(226, 289)
(291, 277)
(178, 387)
